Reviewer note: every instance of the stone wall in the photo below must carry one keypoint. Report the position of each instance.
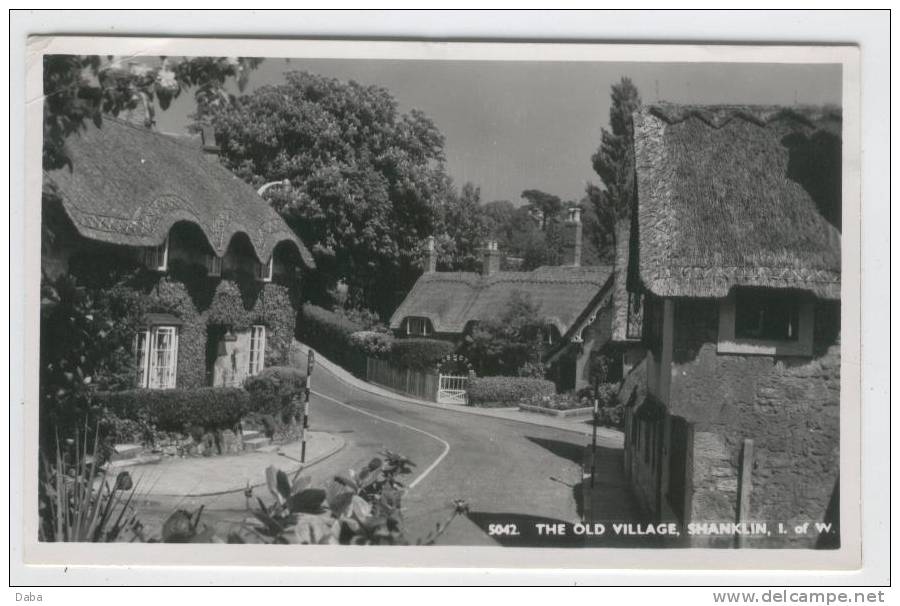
(789, 407)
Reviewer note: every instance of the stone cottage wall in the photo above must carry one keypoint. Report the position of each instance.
(789, 407)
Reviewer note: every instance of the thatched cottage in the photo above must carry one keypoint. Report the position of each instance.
(217, 268)
(574, 300)
(733, 264)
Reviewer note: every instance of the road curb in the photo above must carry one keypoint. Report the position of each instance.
(345, 376)
(341, 444)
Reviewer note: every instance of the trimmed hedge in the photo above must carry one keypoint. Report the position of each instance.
(507, 391)
(419, 354)
(372, 343)
(271, 389)
(181, 410)
(329, 334)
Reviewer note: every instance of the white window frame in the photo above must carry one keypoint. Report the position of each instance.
(729, 344)
(425, 327)
(147, 353)
(257, 355)
(265, 271)
(213, 266)
(156, 258)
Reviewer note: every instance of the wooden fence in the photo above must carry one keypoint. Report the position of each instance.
(411, 382)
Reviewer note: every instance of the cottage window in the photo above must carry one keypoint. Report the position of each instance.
(257, 349)
(264, 271)
(418, 327)
(157, 257)
(156, 354)
(766, 322)
(635, 317)
(214, 266)
(551, 334)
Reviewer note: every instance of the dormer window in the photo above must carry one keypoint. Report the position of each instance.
(156, 258)
(264, 271)
(214, 266)
(766, 322)
(418, 327)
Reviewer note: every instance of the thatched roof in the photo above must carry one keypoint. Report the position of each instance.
(453, 299)
(732, 196)
(620, 284)
(128, 185)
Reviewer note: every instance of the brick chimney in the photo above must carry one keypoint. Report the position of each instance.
(573, 236)
(431, 260)
(491, 264)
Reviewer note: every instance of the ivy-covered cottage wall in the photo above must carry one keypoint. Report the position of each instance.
(198, 301)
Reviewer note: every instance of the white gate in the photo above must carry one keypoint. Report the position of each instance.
(451, 389)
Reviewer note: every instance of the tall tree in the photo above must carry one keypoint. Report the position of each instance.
(545, 206)
(367, 181)
(463, 230)
(614, 160)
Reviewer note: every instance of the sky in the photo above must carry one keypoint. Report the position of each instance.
(512, 126)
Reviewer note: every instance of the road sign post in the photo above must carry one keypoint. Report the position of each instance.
(304, 418)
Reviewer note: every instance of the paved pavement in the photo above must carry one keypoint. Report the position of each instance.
(198, 477)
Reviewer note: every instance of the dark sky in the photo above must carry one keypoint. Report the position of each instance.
(511, 126)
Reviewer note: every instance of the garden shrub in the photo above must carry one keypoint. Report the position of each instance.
(419, 354)
(272, 390)
(181, 410)
(506, 391)
(329, 333)
(557, 401)
(372, 343)
(608, 393)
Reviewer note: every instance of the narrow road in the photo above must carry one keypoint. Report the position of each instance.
(508, 472)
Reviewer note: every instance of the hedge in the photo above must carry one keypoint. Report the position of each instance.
(272, 389)
(181, 410)
(419, 354)
(506, 391)
(372, 343)
(329, 334)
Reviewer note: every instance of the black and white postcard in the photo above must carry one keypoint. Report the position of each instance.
(465, 304)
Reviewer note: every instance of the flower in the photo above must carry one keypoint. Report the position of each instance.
(165, 79)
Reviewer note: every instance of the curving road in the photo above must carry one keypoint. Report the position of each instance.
(509, 472)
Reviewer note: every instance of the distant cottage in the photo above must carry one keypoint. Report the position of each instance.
(729, 276)
(219, 269)
(572, 298)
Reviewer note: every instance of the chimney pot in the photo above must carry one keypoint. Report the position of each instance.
(573, 236)
(491, 264)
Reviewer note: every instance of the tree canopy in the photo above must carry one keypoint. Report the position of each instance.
(614, 163)
(367, 181)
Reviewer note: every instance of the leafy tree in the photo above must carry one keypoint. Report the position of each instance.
(614, 161)
(463, 228)
(86, 338)
(509, 343)
(81, 88)
(545, 206)
(367, 181)
(497, 216)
